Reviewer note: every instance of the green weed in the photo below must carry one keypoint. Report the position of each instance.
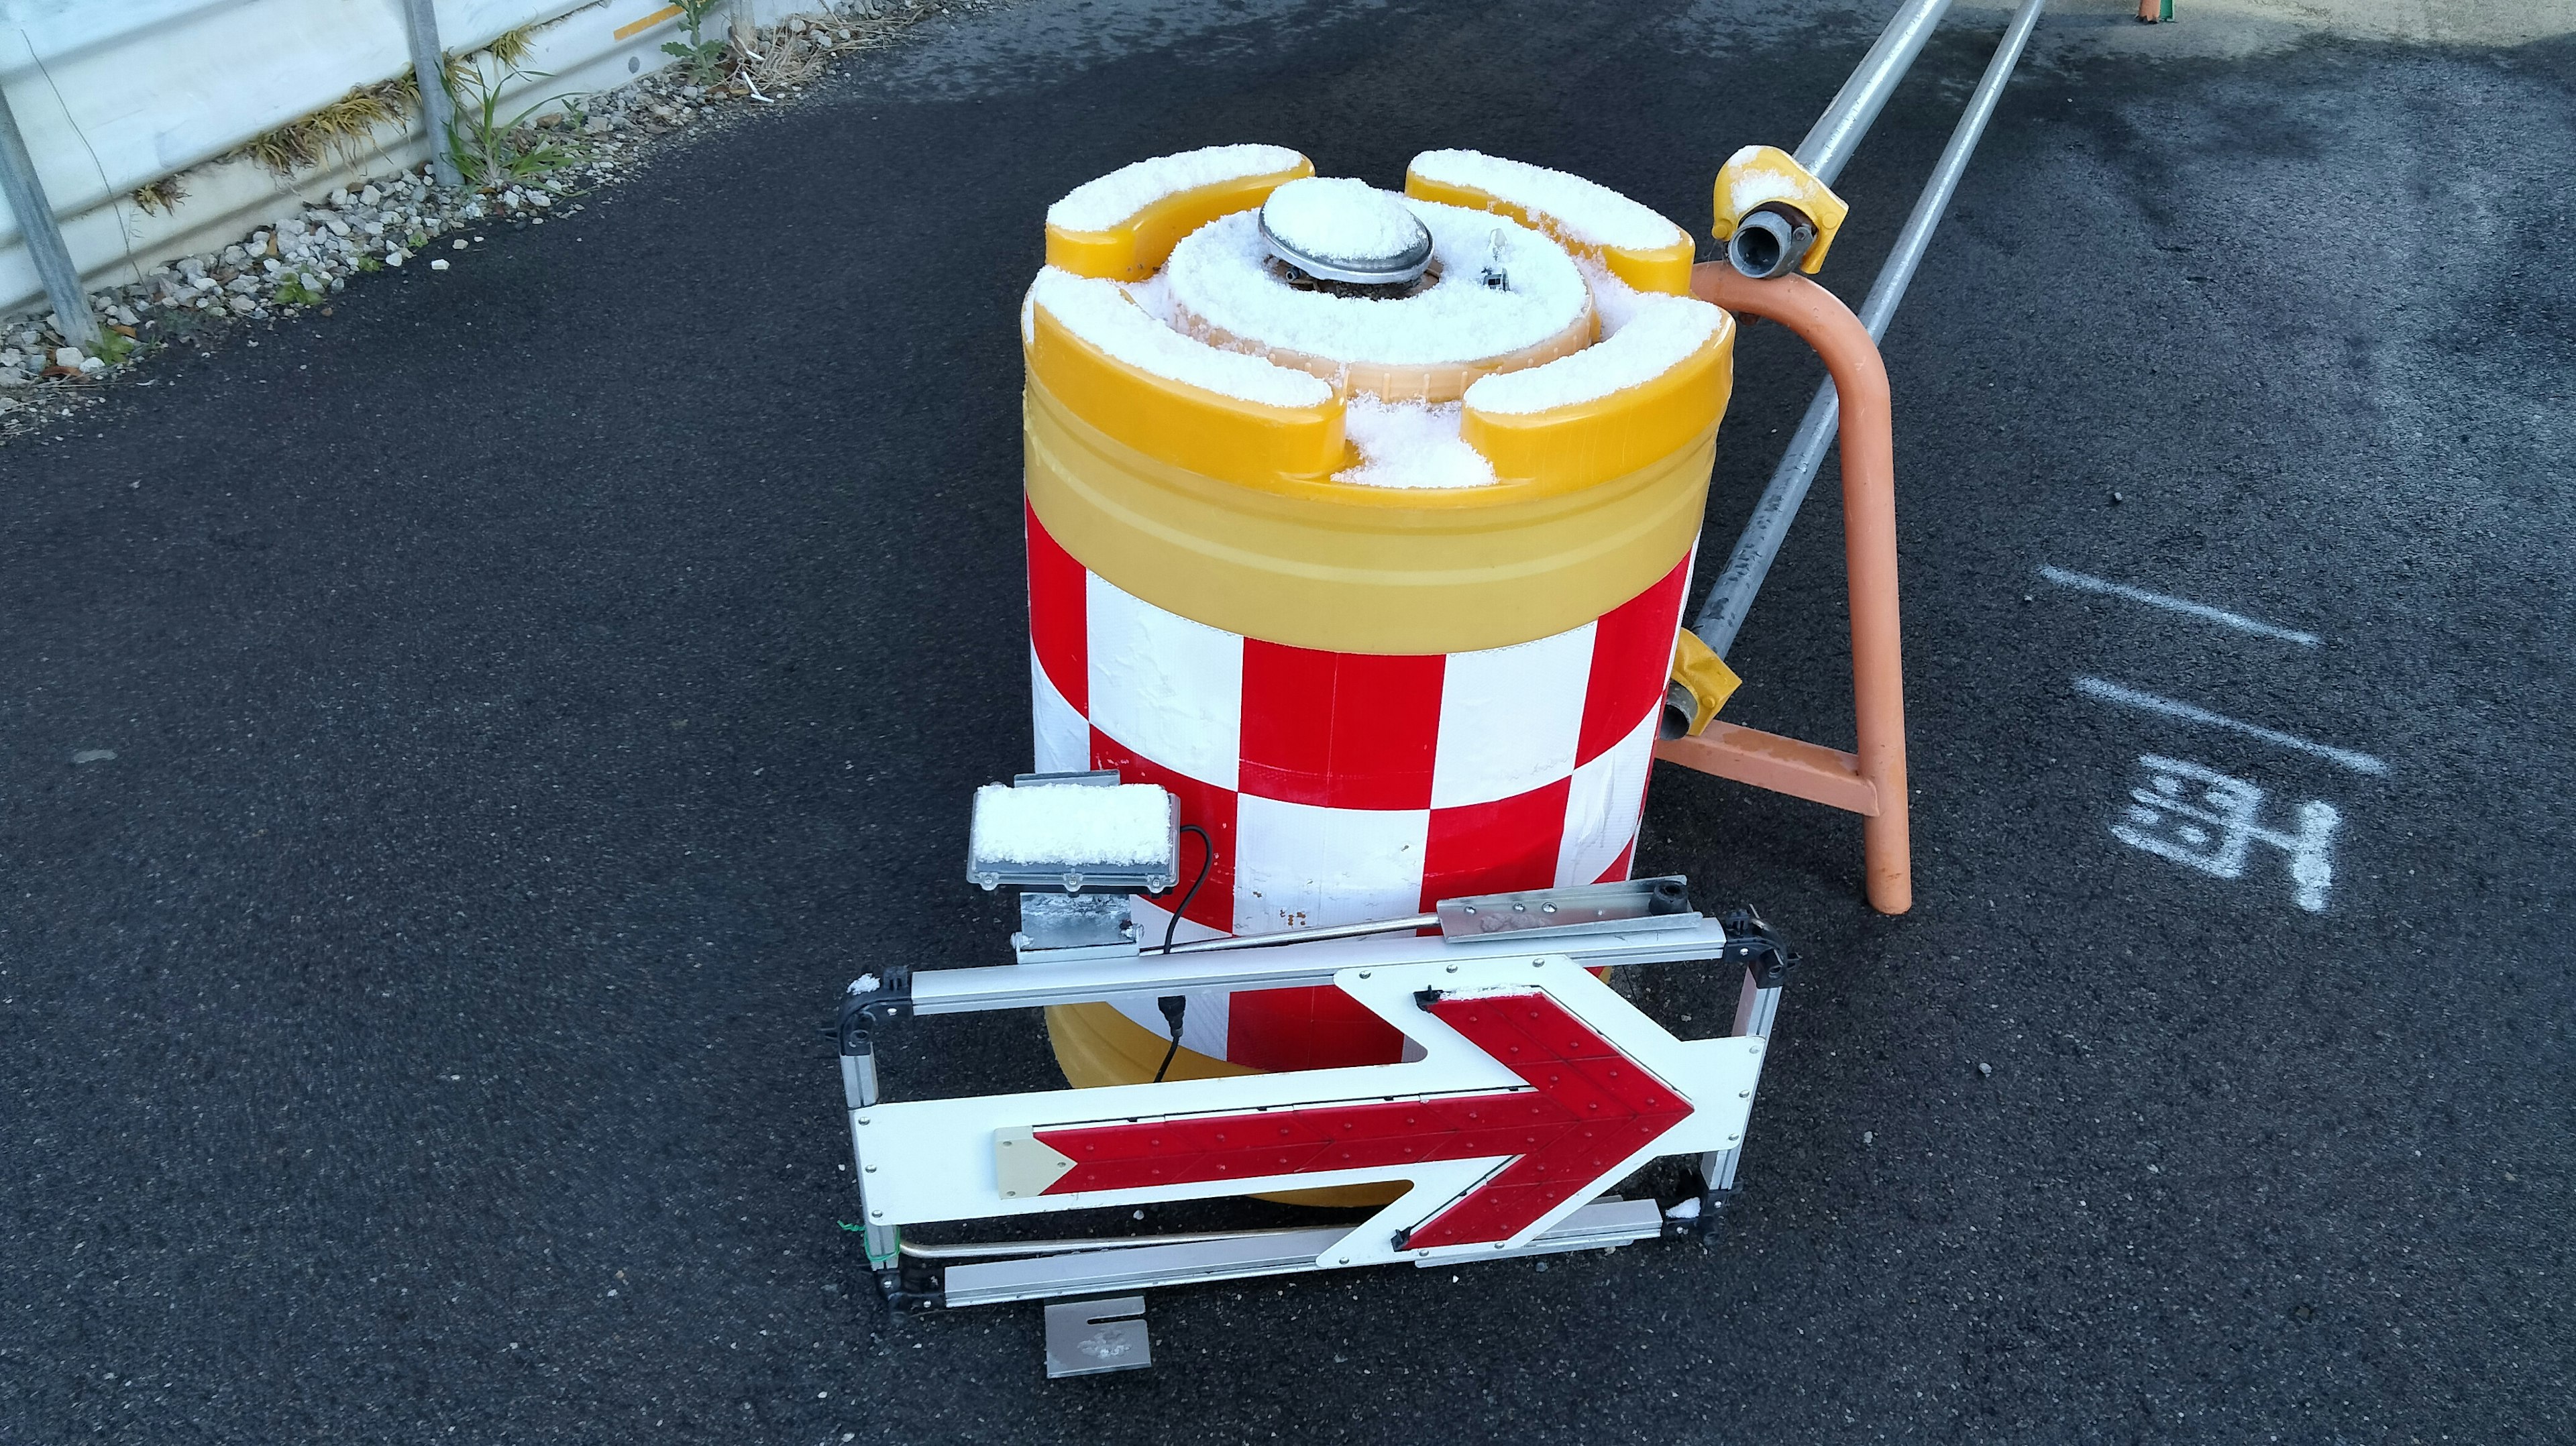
(703, 57)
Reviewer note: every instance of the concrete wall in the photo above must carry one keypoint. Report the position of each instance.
(113, 95)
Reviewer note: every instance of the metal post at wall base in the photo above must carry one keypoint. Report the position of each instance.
(429, 70)
(44, 237)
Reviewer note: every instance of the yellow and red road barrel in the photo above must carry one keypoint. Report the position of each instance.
(1382, 582)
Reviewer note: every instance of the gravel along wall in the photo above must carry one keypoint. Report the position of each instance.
(117, 98)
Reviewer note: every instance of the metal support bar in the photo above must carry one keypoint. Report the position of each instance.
(26, 196)
(1722, 616)
(1838, 132)
(1601, 1225)
(1782, 765)
(1756, 1006)
(1300, 965)
(1869, 560)
(858, 1091)
(429, 68)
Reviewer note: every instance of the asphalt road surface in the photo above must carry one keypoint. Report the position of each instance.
(536, 690)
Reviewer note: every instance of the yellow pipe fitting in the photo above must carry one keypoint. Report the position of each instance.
(1705, 676)
(1760, 176)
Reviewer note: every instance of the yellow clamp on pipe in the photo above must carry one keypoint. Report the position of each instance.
(1759, 176)
(1707, 677)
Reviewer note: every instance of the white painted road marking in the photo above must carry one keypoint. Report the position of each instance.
(2216, 831)
(2110, 692)
(2085, 582)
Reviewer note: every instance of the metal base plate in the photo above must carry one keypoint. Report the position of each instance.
(1088, 1337)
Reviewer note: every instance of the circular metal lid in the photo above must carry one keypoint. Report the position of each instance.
(1344, 230)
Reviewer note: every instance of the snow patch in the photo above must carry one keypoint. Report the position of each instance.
(1337, 219)
(1098, 205)
(1073, 823)
(1748, 189)
(1613, 299)
(1103, 314)
(1663, 332)
(1154, 294)
(1412, 444)
(1221, 277)
(1586, 212)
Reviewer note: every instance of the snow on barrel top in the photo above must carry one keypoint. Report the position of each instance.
(1225, 286)
(1412, 444)
(1100, 312)
(1100, 204)
(1585, 212)
(1338, 219)
(1068, 823)
(1661, 334)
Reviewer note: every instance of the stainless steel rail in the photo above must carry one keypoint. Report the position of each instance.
(1722, 616)
(1838, 132)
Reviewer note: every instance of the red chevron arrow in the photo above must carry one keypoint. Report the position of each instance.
(1588, 1107)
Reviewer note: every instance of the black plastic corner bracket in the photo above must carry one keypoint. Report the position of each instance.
(889, 998)
(913, 1285)
(1706, 1224)
(1751, 943)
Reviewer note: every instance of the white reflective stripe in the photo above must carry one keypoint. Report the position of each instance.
(1063, 735)
(1602, 808)
(1510, 718)
(1170, 688)
(1301, 866)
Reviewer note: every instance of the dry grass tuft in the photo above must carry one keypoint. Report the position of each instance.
(160, 196)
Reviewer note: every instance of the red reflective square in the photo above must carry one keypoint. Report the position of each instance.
(1492, 848)
(1058, 615)
(1340, 730)
(1632, 655)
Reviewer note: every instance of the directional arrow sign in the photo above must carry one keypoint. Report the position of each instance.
(1538, 1088)
(1588, 1107)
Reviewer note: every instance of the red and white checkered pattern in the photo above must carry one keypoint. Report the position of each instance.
(1345, 787)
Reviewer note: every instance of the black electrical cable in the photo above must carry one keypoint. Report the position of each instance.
(1174, 1006)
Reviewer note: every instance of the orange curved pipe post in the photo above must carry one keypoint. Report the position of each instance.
(1871, 780)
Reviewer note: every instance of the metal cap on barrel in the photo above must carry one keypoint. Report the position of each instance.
(1344, 230)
